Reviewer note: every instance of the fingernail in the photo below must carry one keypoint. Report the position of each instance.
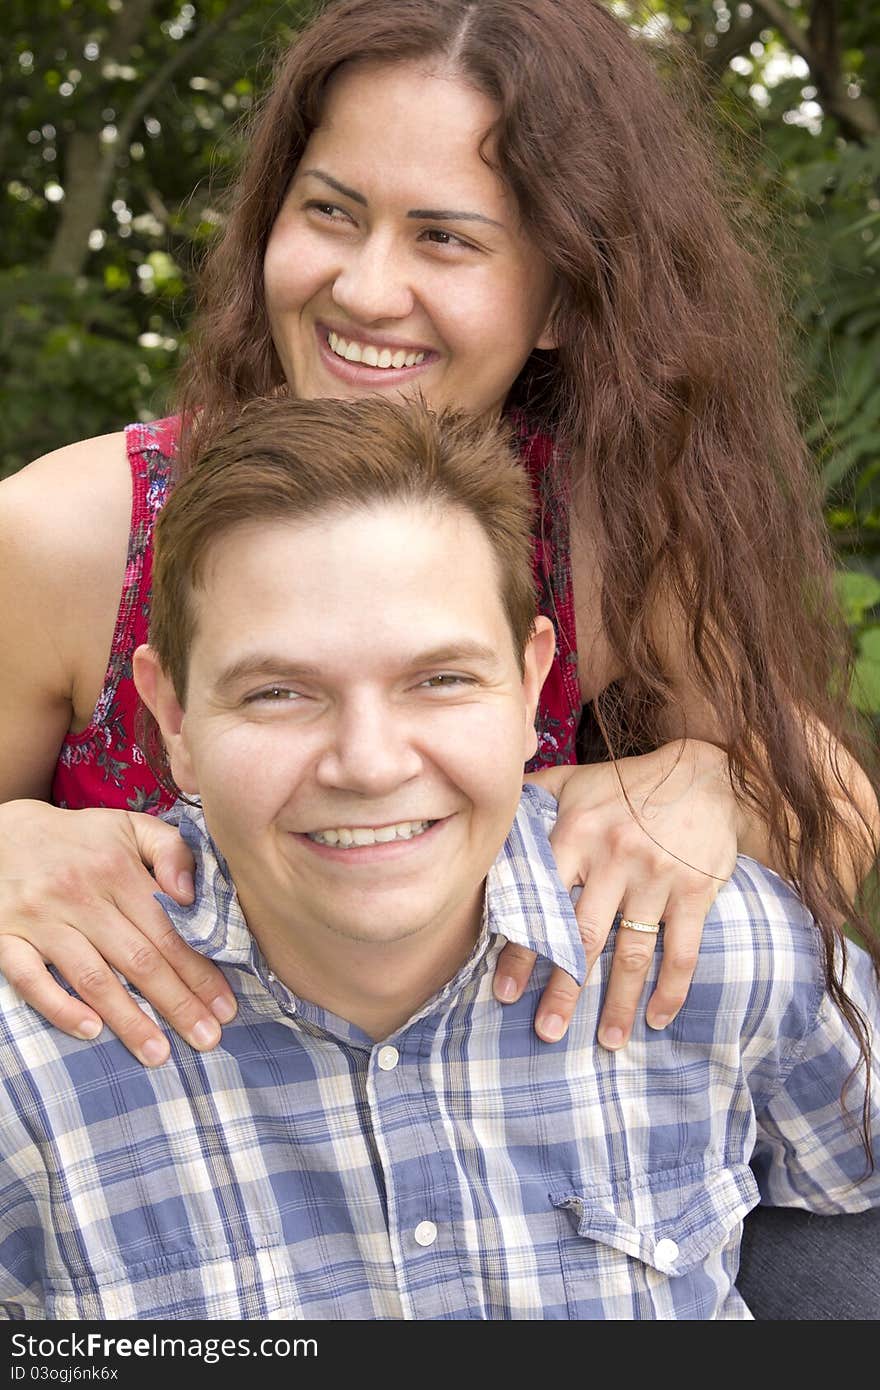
(223, 1009)
(611, 1038)
(205, 1033)
(154, 1052)
(89, 1029)
(505, 989)
(551, 1027)
(660, 1021)
(185, 886)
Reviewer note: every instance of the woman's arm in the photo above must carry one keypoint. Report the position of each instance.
(63, 535)
(690, 715)
(656, 837)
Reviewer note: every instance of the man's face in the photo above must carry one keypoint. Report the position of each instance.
(356, 721)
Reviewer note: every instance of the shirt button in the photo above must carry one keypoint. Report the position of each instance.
(425, 1233)
(665, 1253)
(388, 1058)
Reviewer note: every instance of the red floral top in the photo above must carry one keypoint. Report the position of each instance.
(103, 765)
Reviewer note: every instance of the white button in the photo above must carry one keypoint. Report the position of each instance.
(665, 1253)
(425, 1233)
(388, 1058)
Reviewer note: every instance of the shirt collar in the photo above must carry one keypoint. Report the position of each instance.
(526, 901)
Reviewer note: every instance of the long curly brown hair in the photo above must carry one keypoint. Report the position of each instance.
(666, 394)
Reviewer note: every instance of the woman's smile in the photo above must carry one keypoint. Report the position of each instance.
(360, 359)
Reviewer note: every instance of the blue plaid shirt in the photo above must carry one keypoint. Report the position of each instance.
(459, 1169)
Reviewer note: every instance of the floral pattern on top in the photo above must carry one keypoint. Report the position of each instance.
(104, 765)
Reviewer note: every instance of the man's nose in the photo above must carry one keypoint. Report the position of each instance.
(369, 751)
(373, 284)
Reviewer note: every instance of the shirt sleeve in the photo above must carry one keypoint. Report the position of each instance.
(21, 1238)
(809, 1151)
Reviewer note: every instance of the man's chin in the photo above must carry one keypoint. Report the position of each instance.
(383, 928)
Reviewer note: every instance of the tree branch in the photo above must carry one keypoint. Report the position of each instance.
(735, 41)
(186, 51)
(127, 28)
(781, 18)
(858, 117)
(90, 166)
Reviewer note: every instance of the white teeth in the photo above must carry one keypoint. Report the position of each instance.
(372, 356)
(364, 835)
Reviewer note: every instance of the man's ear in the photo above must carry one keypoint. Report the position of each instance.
(158, 694)
(538, 659)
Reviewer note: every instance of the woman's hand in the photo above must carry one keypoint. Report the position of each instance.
(75, 892)
(663, 856)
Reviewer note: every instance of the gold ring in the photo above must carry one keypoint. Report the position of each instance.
(651, 927)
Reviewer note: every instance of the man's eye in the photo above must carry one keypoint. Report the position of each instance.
(446, 680)
(273, 694)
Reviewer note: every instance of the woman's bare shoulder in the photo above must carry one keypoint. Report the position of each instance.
(88, 469)
(64, 524)
(70, 507)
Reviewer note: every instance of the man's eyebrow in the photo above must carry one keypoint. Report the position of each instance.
(263, 664)
(272, 666)
(417, 214)
(450, 653)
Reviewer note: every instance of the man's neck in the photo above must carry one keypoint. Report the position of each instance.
(376, 986)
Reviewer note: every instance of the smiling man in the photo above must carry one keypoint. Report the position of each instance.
(357, 700)
(344, 665)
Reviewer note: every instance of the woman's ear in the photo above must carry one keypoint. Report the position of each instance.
(156, 689)
(549, 338)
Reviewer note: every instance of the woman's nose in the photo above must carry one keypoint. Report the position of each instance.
(373, 284)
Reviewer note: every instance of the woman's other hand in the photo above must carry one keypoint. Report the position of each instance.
(76, 893)
(661, 851)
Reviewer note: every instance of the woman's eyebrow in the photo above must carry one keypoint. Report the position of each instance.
(335, 184)
(418, 214)
(441, 215)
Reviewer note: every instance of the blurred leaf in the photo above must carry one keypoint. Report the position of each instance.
(866, 678)
(858, 592)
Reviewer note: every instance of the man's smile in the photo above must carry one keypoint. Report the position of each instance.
(366, 844)
(370, 834)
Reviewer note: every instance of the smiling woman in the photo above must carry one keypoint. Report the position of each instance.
(494, 204)
(376, 291)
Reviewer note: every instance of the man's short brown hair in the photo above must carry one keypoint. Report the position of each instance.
(288, 460)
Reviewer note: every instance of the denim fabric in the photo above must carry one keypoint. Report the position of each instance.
(799, 1267)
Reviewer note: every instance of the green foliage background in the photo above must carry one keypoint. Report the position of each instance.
(119, 127)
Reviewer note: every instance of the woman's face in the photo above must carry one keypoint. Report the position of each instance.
(397, 262)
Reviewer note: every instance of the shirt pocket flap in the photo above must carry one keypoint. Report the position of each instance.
(670, 1221)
